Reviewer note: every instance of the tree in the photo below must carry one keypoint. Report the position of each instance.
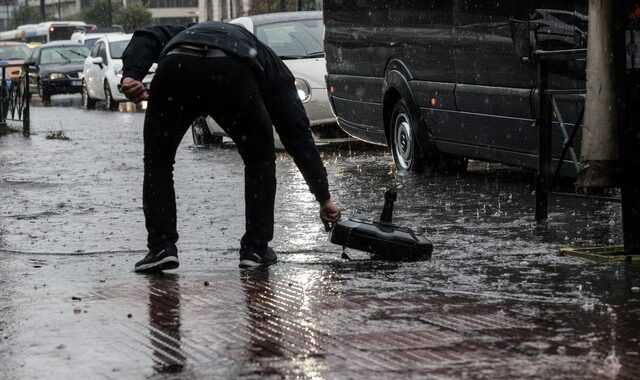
(98, 13)
(24, 15)
(133, 17)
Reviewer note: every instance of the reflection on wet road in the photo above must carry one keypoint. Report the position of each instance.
(494, 302)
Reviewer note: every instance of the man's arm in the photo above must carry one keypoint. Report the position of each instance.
(144, 49)
(292, 124)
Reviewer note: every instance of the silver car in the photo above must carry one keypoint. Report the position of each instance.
(297, 37)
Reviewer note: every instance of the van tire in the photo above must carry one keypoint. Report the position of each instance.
(406, 151)
(201, 133)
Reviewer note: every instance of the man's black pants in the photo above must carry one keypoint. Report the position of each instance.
(185, 87)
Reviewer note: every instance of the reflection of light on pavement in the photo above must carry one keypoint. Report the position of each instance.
(300, 204)
(308, 280)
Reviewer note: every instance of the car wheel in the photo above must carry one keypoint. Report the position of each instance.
(45, 96)
(87, 102)
(404, 145)
(112, 105)
(201, 133)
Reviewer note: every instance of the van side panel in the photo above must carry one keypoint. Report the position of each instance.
(494, 75)
(363, 37)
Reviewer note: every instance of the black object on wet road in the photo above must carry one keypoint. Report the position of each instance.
(383, 239)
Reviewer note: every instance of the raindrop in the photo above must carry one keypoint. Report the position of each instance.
(588, 306)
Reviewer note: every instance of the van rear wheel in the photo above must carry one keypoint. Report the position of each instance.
(404, 143)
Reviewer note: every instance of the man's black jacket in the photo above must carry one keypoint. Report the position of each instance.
(274, 78)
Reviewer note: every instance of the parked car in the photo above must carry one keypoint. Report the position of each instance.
(103, 72)
(297, 37)
(13, 53)
(57, 68)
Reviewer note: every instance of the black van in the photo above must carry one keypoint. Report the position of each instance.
(446, 80)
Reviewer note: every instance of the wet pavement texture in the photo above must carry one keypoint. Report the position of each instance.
(495, 301)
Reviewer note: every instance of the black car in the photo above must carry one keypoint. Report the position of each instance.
(56, 68)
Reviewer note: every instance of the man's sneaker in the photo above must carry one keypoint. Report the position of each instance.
(250, 258)
(163, 258)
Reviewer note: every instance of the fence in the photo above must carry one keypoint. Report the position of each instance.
(15, 96)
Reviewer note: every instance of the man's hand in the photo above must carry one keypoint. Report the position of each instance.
(134, 90)
(329, 213)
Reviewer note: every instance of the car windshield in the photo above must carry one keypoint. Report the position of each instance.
(89, 42)
(294, 39)
(117, 48)
(63, 54)
(14, 52)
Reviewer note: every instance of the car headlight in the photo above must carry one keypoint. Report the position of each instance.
(304, 90)
(54, 76)
(117, 69)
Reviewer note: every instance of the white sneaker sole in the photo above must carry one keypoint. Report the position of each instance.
(253, 264)
(169, 262)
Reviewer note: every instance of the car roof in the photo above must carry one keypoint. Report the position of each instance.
(60, 43)
(117, 37)
(270, 18)
(109, 34)
(12, 43)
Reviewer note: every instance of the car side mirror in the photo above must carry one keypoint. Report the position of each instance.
(97, 61)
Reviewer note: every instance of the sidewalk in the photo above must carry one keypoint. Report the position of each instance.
(81, 317)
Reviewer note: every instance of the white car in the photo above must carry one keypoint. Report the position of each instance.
(103, 72)
(297, 37)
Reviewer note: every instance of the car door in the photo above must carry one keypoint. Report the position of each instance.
(91, 72)
(494, 79)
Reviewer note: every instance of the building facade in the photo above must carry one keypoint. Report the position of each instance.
(166, 11)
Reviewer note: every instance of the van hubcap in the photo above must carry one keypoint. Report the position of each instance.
(404, 141)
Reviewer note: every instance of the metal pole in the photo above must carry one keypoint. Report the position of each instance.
(42, 13)
(283, 6)
(627, 70)
(3, 100)
(26, 119)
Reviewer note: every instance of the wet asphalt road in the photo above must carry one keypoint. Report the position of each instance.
(496, 301)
